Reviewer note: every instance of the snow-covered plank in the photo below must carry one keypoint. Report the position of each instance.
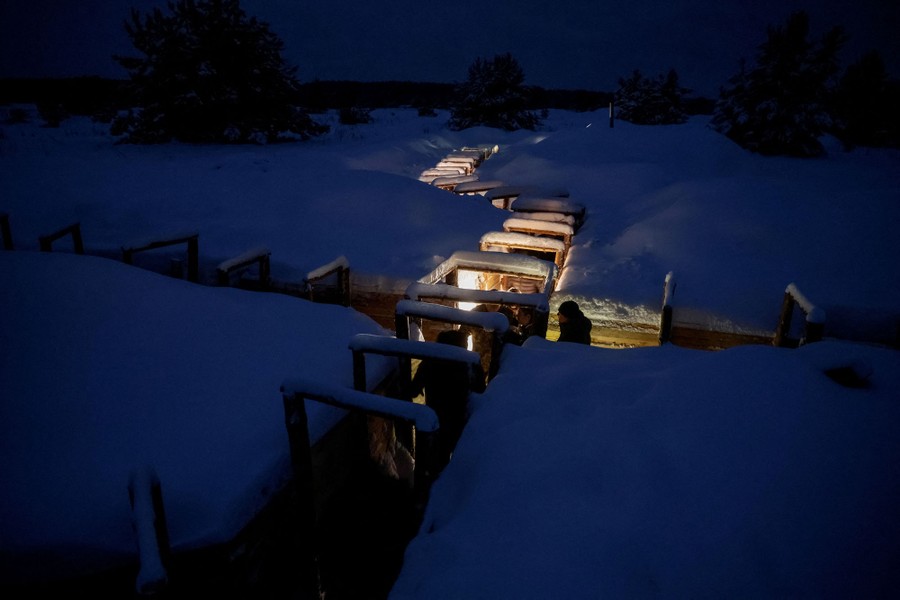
(517, 264)
(443, 291)
(422, 416)
(536, 226)
(476, 187)
(494, 239)
(245, 258)
(489, 321)
(391, 346)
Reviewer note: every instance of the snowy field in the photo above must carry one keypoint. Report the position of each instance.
(583, 471)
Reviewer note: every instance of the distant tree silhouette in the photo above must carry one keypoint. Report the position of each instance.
(646, 101)
(494, 96)
(209, 73)
(780, 106)
(865, 104)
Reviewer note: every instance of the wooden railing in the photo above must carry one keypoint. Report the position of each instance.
(815, 319)
(74, 230)
(5, 232)
(258, 256)
(191, 239)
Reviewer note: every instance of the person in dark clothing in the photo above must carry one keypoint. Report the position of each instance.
(446, 385)
(573, 325)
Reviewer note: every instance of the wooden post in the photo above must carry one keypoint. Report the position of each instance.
(5, 232)
(423, 471)
(193, 260)
(665, 321)
(359, 371)
(784, 320)
(303, 538)
(611, 115)
(46, 241)
(154, 551)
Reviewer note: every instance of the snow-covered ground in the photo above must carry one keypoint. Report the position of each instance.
(583, 471)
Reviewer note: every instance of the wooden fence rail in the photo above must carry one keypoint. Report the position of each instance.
(193, 251)
(5, 232)
(238, 264)
(815, 318)
(46, 241)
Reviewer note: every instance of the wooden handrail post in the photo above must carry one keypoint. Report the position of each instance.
(303, 538)
(46, 241)
(784, 319)
(194, 260)
(6, 232)
(665, 321)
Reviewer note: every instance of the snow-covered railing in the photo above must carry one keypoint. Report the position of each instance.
(547, 216)
(190, 238)
(503, 264)
(546, 204)
(665, 320)
(319, 290)
(547, 248)
(240, 263)
(555, 229)
(429, 175)
(295, 392)
(6, 232)
(450, 182)
(533, 310)
(815, 318)
(403, 349)
(149, 524)
(502, 196)
(74, 230)
(476, 187)
(494, 323)
(466, 164)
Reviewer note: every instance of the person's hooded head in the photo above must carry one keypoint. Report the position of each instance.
(569, 310)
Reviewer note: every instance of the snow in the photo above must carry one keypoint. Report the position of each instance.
(583, 472)
(515, 239)
(489, 321)
(422, 416)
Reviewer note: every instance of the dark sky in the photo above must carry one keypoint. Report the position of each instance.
(561, 43)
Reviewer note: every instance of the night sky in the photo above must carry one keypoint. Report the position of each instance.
(561, 44)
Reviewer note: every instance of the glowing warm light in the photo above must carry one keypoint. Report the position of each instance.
(468, 280)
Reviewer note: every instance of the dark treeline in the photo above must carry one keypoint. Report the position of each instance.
(99, 97)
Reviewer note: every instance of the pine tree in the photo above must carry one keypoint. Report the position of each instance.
(209, 73)
(494, 96)
(865, 104)
(780, 106)
(646, 101)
